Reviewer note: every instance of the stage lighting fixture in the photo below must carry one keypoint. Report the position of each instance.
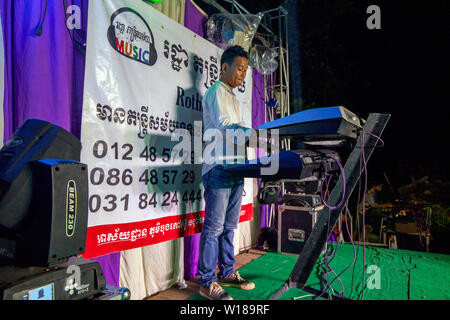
(39, 171)
(43, 217)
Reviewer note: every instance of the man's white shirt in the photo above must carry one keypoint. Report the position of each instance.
(222, 115)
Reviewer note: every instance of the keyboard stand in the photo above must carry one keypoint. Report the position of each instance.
(353, 169)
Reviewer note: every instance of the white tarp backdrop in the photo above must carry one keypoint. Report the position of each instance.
(145, 77)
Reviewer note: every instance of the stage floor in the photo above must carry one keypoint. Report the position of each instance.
(390, 275)
(174, 293)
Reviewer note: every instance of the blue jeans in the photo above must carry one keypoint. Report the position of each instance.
(223, 198)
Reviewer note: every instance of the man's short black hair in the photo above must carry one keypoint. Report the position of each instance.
(230, 53)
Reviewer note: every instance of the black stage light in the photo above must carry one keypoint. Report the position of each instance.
(43, 217)
(43, 196)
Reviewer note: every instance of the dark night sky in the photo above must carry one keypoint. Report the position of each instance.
(400, 69)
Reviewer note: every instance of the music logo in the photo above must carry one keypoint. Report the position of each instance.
(130, 35)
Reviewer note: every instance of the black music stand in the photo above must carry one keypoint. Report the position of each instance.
(353, 168)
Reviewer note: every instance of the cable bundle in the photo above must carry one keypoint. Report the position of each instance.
(331, 252)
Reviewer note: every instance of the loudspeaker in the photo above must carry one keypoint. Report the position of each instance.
(56, 226)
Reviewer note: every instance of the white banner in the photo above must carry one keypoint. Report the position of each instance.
(145, 77)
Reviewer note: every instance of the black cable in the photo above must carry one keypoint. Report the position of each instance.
(80, 47)
(38, 31)
(326, 294)
(79, 31)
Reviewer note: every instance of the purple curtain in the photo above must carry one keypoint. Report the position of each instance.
(194, 20)
(258, 118)
(7, 27)
(44, 74)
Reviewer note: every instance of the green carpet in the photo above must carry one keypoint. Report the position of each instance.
(390, 275)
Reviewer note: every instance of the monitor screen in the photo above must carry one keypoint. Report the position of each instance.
(42, 293)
